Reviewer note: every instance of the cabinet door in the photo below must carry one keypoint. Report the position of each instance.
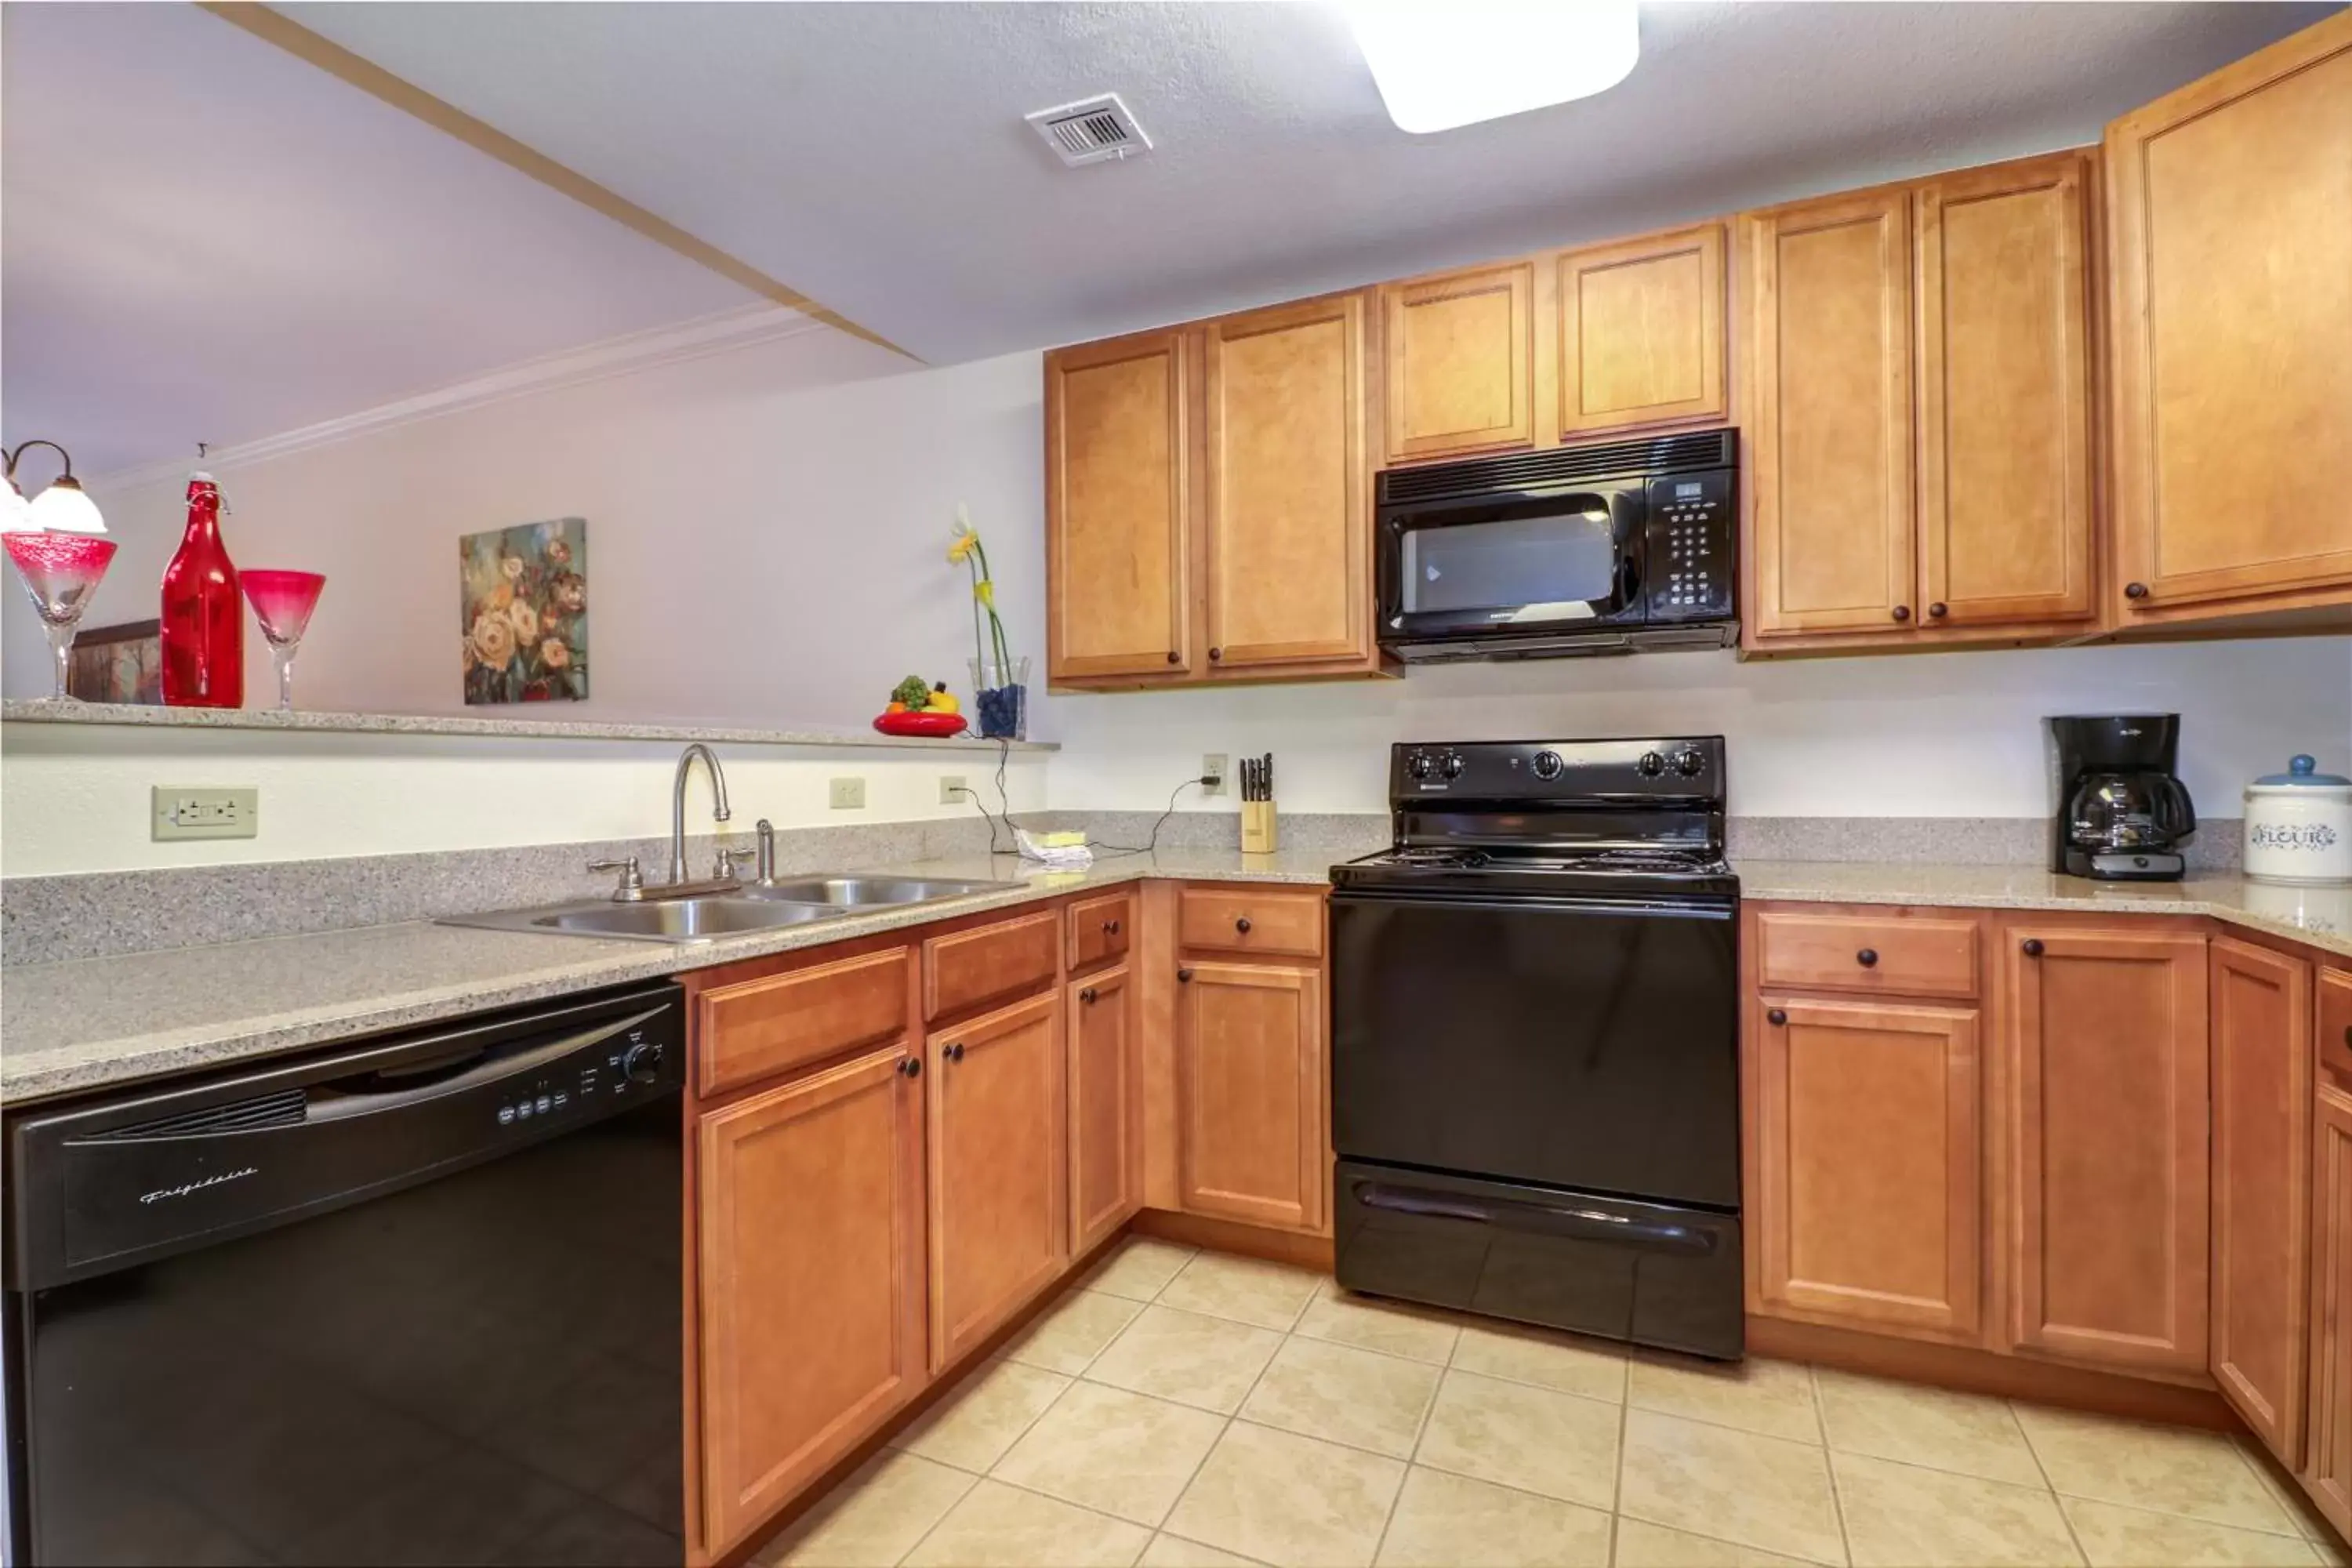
(1868, 1205)
(1289, 494)
(1640, 332)
(2004, 398)
(2261, 1182)
(2103, 1112)
(1830, 315)
(1105, 1106)
(2230, 257)
(2328, 1470)
(1118, 468)
(809, 1243)
(1460, 360)
(999, 1177)
(1250, 1085)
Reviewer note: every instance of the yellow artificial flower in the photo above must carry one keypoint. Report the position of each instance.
(959, 547)
(985, 591)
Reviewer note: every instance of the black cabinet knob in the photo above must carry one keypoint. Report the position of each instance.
(954, 1053)
(1087, 995)
(1215, 654)
(1776, 1018)
(2135, 590)
(1867, 958)
(1183, 977)
(1938, 610)
(1241, 924)
(1902, 612)
(912, 1067)
(1110, 928)
(1175, 657)
(2031, 946)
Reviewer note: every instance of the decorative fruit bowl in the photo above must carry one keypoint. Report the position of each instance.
(937, 726)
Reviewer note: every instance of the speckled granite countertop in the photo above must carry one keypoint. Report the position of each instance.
(67, 1027)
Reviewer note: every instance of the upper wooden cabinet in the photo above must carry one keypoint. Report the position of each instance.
(1920, 416)
(1289, 525)
(1640, 332)
(2230, 235)
(1119, 500)
(1460, 358)
(1208, 501)
(2102, 1115)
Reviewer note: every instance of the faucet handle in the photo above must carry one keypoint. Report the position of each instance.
(633, 880)
(729, 860)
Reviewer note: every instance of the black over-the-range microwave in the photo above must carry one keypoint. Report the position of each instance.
(1612, 548)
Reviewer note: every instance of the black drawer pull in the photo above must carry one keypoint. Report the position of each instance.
(2031, 946)
(2135, 590)
(1776, 1018)
(1110, 928)
(1241, 925)
(1867, 958)
(954, 1053)
(1087, 995)
(1216, 654)
(1938, 610)
(1902, 612)
(1183, 977)
(912, 1067)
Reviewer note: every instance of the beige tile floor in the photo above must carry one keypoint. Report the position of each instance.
(1183, 1407)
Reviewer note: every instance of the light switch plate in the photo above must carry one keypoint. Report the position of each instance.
(846, 795)
(180, 812)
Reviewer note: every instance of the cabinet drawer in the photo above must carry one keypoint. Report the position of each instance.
(758, 1028)
(2336, 1025)
(990, 963)
(1100, 928)
(1237, 920)
(1868, 953)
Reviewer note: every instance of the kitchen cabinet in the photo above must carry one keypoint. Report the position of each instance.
(1640, 332)
(1251, 1091)
(2102, 1118)
(2231, 301)
(1105, 1105)
(2262, 1013)
(1459, 363)
(1866, 1204)
(756, 1028)
(1920, 456)
(1120, 482)
(999, 1169)
(991, 962)
(810, 1248)
(2326, 1471)
(1289, 518)
(1101, 929)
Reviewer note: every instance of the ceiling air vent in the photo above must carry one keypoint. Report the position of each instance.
(1091, 130)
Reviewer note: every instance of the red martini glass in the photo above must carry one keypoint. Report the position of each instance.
(59, 571)
(282, 603)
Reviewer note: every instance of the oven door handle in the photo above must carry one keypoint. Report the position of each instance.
(1715, 907)
(1579, 1221)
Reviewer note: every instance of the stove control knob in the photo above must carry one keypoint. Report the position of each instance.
(1453, 765)
(1547, 765)
(1418, 764)
(1688, 760)
(1651, 764)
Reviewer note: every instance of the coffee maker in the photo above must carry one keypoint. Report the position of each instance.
(2121, 815)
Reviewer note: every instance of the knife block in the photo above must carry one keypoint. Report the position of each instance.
(1257, 827)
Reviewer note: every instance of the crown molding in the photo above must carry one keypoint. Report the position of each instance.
(724, 331)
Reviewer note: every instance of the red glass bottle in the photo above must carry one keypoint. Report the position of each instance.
(203, 634)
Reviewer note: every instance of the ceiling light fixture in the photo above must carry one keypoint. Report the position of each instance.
(63, 508)
(1439, 65)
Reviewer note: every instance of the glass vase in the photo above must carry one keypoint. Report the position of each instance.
(1000, 697)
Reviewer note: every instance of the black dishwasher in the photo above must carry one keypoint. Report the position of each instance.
(417, 1301)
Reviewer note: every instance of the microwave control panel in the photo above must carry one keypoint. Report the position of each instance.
(1689, 540)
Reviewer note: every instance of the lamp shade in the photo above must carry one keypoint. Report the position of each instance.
(16, 511)
(66, 508)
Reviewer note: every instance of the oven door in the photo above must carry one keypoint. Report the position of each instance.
(1586, 1044)
(1513, 565)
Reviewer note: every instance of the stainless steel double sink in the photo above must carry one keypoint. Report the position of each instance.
(751, 907)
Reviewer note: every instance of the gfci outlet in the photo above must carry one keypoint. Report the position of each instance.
(846, 795)
(951, 789)
(207, 813)
(1213, 768)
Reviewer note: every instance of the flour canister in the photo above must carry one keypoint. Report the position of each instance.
(2299, 826)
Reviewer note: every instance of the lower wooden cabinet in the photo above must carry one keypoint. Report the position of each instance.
(809, 1247)
(2262, 1016)
(1105, 1105)
(1250, 1089)
(2327, 1462)
(1866, 1202)
(999, 1169)
(2102, 1116)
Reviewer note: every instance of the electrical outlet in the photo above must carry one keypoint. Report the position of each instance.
(207, 813)
(1213, 768)
(846, 795)
(951, 789)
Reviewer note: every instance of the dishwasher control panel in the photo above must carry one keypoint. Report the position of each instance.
(632, 1062)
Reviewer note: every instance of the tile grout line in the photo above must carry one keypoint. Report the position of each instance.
(1829, 1460)
(1413, 1449)
(2056, 1497)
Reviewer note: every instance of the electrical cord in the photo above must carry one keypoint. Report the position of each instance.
(1152, 843)
(1003, 817)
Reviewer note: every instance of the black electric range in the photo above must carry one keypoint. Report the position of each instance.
(1535, 1040)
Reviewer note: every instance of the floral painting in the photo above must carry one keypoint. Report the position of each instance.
(523, 594)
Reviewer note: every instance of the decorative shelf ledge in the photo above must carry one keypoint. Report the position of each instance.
(22, 711)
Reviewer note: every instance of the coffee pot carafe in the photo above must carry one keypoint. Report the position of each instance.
(2120, 814)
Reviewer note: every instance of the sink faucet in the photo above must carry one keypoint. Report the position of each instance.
(677, 804)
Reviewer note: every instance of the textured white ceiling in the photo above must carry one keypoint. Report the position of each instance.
(209, 239)
(874, 155)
